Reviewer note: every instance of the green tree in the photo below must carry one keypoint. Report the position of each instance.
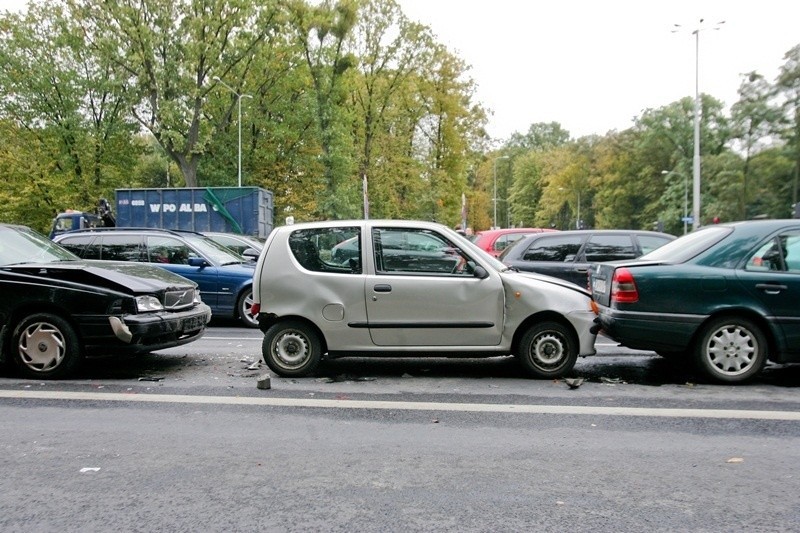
(788, 92)
(322, 31)
(171, 50)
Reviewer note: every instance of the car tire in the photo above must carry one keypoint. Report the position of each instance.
(291, 349)
(731, 350)
(45, 346)
(548, 350)
(243, 307)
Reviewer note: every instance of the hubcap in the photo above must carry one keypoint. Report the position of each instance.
(291, 349)
(732, 350)
(41, 347)
(548, 350)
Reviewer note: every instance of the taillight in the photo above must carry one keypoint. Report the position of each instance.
(623, 288)
(255, 309)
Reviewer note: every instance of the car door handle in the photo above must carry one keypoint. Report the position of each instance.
(582, 270)
(771, 288)
(382, 288)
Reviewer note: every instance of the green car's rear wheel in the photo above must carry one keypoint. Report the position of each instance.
(731, 349)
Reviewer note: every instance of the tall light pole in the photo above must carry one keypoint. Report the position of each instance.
(494, 221)
(578, 215)
(696, 158)
(239, 97)
(685, 197)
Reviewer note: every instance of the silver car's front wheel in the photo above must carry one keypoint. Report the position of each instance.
(731, 350)
(291, 349)
(548, 350)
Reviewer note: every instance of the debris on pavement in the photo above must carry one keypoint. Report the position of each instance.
(574, 383)
(264, 382)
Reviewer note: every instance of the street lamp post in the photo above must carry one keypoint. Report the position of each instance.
(494, 221)
(685, 198)
(696, 157)
(239, 97)
(578, 214)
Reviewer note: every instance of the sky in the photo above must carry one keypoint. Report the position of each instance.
(593, 66)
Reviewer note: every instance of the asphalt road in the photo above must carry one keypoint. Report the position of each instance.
(183, 440)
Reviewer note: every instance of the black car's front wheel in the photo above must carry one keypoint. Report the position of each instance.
(731, 350)
(548, 350)
(45, 346)
(291, 349)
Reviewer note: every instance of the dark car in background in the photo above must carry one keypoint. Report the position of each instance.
(56, 309)
(568, 254)
(724, 297)
(224, 277)
(247, 246)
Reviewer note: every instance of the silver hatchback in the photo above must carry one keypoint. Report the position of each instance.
(409, 288)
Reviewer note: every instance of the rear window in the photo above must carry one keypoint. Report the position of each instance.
(684, 248)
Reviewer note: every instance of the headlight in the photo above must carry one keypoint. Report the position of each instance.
(146, 304)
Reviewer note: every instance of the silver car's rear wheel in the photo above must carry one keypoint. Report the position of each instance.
(731, 350)
(45, 347)
(291, 349)
(548, 350)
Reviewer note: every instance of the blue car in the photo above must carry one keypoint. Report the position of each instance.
(224, 277)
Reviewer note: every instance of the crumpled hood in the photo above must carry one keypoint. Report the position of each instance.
(551, 280)
(128, 277)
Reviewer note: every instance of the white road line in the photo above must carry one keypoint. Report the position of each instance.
(407, 406)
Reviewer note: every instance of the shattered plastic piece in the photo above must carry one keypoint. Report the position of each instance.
(264, 382)
(573, 383)
(151, 378)
(611, 381)
(255, 366)
(325, 380)
(735, 460)
(90, 469)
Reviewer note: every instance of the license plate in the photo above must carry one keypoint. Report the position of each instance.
(599, 286)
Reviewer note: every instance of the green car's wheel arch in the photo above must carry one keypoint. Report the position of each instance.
(548, 350)
(731, 349)
(45, 346)
(292, 348)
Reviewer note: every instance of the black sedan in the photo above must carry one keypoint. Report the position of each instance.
(724, 297)
(57, 309)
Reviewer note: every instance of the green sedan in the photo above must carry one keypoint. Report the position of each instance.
(725, 297)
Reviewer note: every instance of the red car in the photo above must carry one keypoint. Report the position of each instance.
(495, 241)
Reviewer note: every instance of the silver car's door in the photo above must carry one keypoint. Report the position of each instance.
(422, 291)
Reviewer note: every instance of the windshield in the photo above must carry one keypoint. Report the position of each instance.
(217, 253)
(23, 245)
(684, 248)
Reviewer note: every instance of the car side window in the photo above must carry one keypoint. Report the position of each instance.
(504, 241)
(335, 250)
(649, 243)
(119, 247)
(559, 248)
(779, 254)
(609, 248)
(168, 250)
(397, 251)
(80, 245)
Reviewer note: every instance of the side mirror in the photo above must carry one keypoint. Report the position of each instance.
(480, 272)
(251, 254)
(198, 262)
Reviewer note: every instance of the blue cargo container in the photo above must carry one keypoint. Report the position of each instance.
(243, 210)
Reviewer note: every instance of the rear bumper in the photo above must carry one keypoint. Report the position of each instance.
(649, 331)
